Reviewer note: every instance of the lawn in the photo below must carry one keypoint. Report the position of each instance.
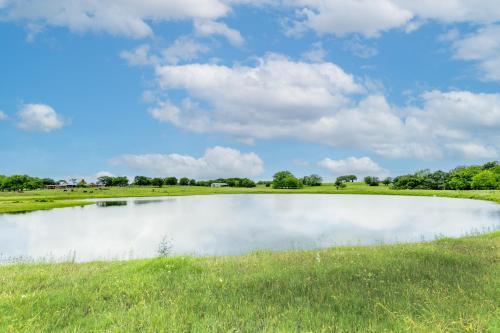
(48, 199)
(449, 285)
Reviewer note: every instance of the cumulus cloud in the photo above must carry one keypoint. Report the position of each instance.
(3, 116)
(363, 166)
(181, 50)
(483, 47)
(319, 102)
(39, 117)
(216, 162)
(373, 17)
(128, 18)
(210, 27)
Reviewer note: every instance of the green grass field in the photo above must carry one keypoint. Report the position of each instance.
(449, 285)
(48, 199)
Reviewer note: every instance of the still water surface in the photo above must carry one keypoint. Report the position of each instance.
(235, 224)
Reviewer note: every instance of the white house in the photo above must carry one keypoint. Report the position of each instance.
(219, 185)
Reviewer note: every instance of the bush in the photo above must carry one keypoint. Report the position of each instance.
(285, 179)
(372, 181)
(486, 180)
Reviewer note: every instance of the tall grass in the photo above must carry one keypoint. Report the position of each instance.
(449, 285)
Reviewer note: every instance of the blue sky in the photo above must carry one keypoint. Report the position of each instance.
(212, 88)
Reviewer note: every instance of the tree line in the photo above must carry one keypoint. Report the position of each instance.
(474, 177)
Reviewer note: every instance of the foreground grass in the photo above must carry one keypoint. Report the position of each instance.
(48, 199)
(450, 285)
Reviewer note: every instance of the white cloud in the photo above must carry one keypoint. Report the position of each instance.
(280, 98)
(182, 49)
(3, 116)
(473, 150)
(118, 17)
(216, 162)
(316, 54)
(210, 27)
(363, 166)
(140, 56)
(372, 17)
(39, 117)
(483, 47)
(341, 17)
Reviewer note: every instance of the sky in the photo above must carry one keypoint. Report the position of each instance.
(241, 88)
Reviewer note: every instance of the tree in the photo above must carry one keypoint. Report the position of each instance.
(105, 180)
(461, 178)
(312, 180)
(120, 181)
(192, 182)
(372, 181)
(142, 181)
(348, 178)
(82, 183)
(157, 182)
(285, 179)
(486, 180)
(339, 184)
(387, 181)
(48, 181)
(170, 181)
(184, 181)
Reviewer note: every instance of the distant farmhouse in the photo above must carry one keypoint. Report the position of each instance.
(219, 185)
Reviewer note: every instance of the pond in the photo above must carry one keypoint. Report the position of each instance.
(235, 224)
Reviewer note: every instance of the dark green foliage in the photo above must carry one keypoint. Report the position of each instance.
(170, 181)
(20, 183)
(113, 181)
(157, 182)
(285, 179)
(48, 181)
(339, 183)
(184, 181)
(192, 182)
(387, 181)
(312, 180)
(372, 181)
(348, 178)
(142, 181)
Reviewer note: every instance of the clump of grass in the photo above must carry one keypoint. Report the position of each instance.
(165, 247)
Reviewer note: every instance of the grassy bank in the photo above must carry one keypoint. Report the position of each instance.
(47, 199)
(450, 285)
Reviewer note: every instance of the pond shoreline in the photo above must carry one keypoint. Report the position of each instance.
(50, 199)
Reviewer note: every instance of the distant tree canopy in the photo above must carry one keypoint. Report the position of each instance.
(286, 179)
(347, 178)
(372, 181)
(142, 181)
(312, 180)
(113, 181)
(184, 181)
(485, 177)
(339, 183)
(170, 181)
(157, 181)
(20, 183)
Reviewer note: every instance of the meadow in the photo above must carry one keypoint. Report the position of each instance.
(447, 285)
(11, 202)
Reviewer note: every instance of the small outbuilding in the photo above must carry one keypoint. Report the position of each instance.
(219, 185)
